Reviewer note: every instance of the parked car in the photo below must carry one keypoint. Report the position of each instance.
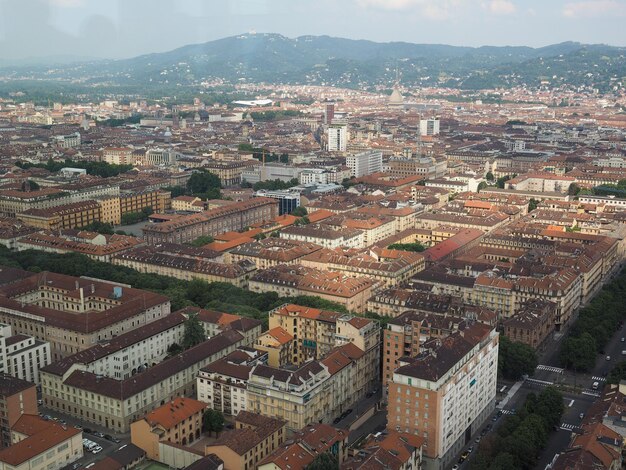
(98, 434)
(96, 450)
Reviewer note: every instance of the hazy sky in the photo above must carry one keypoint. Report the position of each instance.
(125, 28)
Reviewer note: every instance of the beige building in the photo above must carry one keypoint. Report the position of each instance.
(40, 444)
(73, 314)
(110, 210)
(253, 439)
(176, 422)
(278, 344)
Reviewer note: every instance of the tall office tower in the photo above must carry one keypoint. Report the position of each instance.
(338, 137)
(330, 113)
(429, 126)
(365, 163)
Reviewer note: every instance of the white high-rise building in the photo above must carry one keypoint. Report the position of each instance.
(429, 126)
(365, 163)
(338, 137)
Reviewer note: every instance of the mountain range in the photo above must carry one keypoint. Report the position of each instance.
(274, 58)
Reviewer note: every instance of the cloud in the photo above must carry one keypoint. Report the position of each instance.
(67, 3)
(432, 9)
(594, 8)
(500, 7)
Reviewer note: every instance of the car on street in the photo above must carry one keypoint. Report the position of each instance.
(608, 358)
(96, 450)
(581, 416)
(98, 434)
(455, 466)
(470, 449)
(477, 440)
(622, 340)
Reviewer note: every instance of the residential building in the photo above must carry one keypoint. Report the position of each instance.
(325, 236)
(178, 422)
(17, 398)
(446, 392)
(387, 450)
(223, 384)
(116, 403)
(68, 216)
(278, 344)
(22, 356)
(429, 126)
(305, 445)
(233, 217)
(38, 443)
(254, 438)
(272, 251)
(532, 323)
(294, 280)
(337, 134)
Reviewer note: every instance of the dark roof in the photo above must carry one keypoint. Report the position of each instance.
(123, 389)
(12, 385)
(210, 462)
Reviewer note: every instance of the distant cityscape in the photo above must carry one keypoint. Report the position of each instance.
(276, 275)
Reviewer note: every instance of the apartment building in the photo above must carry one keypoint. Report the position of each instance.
(532, 324)
(187, 203)
(445, 393)
(178, 422)
(305, 445)
(118, 155)
(255, 437)
(364, 163)
(22, 356)
(229, 173)
(116, 403)
(135, 201)
(223, 384)
(95, 245)
(38, 443)
(325, 236)
(68, 216)
(272, 251)
(186, 263)
(233, 217)
(315, 392)
(73, 314)
(389, 267)
(17, 398)
(389, 449)
(316, 332)
(278, 344)
(294, 280)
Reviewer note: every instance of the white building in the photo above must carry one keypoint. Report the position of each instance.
(429, 126)
(324, 175)
(22, 356)
(223, 384)
(365, 163)
(338, 137)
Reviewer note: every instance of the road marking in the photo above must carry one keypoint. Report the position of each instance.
(558, 370)
(568, 427)
(507, 412)
(590, 393)
(539, 382)
(570, 404)
(598, 379)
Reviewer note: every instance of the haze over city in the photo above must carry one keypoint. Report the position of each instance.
(126, 28)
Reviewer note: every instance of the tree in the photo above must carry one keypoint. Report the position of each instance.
(203, 240)
(501, 181)
(532, 204)
(416, 247)
(489, 176)
(213, 421)
(324, 461)
(194, 331)
(29, 185)
(299, 211)
(99, 227)
(578, 353)
(174, 349)
(482, 185)
(573, 189)
(617, 374)
(515, 359)
(205, 184)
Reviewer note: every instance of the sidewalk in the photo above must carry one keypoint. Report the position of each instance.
(512, 391)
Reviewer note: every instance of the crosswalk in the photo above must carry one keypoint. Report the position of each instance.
(568, 427)
(556, 370)
(590, 393)
(507, 412)
(543, 383)
(597, 378)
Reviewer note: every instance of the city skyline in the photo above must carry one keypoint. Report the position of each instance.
(76, 28)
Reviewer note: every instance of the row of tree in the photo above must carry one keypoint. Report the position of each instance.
(520, 439)
(515, 359)
(594, 327)
(103, 169)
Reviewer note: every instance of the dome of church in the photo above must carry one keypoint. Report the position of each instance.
(396, 98)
